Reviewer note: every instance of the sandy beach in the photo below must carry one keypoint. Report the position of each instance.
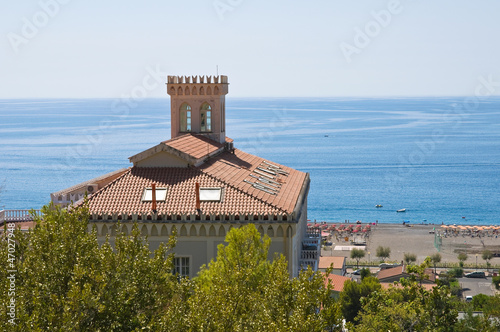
(419, 240)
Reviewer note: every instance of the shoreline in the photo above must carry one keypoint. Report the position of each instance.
(419, 239)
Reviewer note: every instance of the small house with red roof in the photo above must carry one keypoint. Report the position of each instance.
(199, 185)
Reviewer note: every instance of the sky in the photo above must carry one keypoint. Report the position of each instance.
(279, 48)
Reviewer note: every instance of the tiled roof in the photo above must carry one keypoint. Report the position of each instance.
(392, 272)
(196, 146)
(326, 261)
(252, 185)
(125, 194)
(401, 272)
(98, 179)
(337, 281)
(241, 170)
(227, 171)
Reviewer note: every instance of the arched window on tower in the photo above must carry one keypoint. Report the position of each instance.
(206, 117)
(185, 117)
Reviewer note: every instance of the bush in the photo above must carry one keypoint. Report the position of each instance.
(365, 273)
(456, 272)
(496, 282)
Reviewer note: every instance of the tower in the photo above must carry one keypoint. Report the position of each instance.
(198, 105)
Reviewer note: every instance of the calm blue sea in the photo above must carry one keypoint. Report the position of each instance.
(439, 158)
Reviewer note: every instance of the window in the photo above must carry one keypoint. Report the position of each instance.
(206, 117)
(210, 194)
(181, 266)
(185, 117)
(161, 194)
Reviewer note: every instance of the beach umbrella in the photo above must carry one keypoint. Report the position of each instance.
(444, 226)
(309, 225)
(355, 231)
(359, 226)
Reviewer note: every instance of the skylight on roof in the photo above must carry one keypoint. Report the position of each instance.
(210, 194)
(147, 195)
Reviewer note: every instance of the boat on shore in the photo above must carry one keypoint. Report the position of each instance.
(401, 210)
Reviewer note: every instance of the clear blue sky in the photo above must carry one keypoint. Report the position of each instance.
(267, 48)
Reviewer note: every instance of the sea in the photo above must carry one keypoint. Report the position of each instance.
(437, 158)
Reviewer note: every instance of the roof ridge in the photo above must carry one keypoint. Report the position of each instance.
(86, 183)
(177, 138)
(244, 192)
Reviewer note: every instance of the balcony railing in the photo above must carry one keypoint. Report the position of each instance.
(311, 250)
(17, 215)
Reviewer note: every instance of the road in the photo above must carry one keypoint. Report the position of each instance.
(474, 286)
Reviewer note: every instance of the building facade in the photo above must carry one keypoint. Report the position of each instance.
(198, 186)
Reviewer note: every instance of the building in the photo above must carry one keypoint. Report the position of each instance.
(337, 263)
(396, 273)
(337, 282)
(199, 185)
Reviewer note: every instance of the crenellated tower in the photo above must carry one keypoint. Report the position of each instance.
(198, 105)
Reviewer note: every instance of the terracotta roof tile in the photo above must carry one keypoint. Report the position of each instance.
(196, 146)
(392, 272)
(337, 282)
(275, 193)
(326, 261)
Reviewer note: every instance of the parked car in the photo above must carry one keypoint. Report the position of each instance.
(475, 274)
(357, 272)
(468, 298)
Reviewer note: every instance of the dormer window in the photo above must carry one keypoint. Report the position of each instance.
(185, 118)
(205, 118)
(210, 194)
(161, 194)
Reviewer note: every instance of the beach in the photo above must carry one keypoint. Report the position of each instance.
(418, 240)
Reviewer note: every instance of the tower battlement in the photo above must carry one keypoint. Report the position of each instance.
(198, 105)
(194, 79)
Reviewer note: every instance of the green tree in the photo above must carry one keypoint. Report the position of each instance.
(408, 308)
(357, 254)
(462, 257)
(410, 258)
(487, 256)
(241, 290)
(479, 301)
(496, 282)
(353, 293)
(383, 252)
(365, 273)
(435, 258)
(456, 272)
(66, 281)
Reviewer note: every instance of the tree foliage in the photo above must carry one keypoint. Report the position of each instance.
(241, 290)
(435, 259)
(66, 281)
(408, 307)
(357, 254)
(383, 252)
(487, 256)
(353, 293)
(410, 258)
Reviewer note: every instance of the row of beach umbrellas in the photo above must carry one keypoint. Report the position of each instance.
(470, 228)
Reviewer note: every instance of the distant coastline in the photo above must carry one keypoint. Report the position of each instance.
(359, 152)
